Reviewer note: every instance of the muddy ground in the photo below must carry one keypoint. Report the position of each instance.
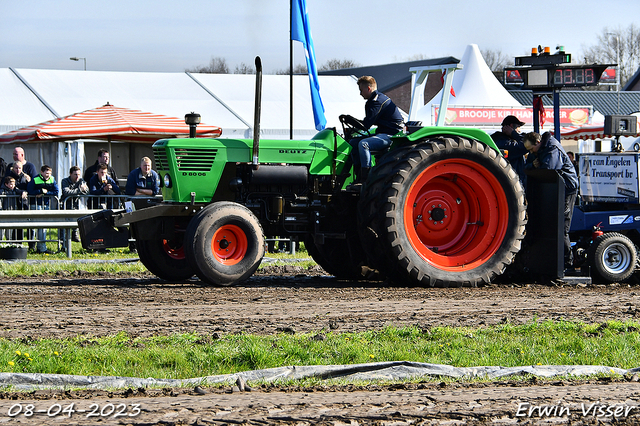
(290, 299)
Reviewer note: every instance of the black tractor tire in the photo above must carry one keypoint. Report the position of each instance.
(448, 211)
(343, 258)
(315, 254)
(612, 257)
(225, 243)
(165, 258)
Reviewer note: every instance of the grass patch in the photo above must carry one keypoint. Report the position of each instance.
(614, 344)
(47, 267)
(21, 269)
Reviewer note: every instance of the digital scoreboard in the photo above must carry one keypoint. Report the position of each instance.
(555, 76)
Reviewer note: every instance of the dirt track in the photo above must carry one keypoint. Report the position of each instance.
(306, 301)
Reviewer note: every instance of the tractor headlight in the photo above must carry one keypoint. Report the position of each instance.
(167, 181)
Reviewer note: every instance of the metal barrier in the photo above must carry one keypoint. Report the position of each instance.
(19, 217)
(48, 213)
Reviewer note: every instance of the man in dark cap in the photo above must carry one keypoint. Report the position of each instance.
(509, 141)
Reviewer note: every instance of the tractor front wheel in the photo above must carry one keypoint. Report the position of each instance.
(226, 243)
(165, 258)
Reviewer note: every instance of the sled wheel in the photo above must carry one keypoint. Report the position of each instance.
(613, 257)
(450, 212)
(165, 258)
(226, 243)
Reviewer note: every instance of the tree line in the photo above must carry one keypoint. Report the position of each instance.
(219, 65)
(614, 45)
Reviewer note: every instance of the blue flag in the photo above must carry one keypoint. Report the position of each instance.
(301, 32)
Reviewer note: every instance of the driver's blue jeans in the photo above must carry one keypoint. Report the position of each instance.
(366, 145)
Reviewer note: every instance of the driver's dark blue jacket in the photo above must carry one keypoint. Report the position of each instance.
(382, 112)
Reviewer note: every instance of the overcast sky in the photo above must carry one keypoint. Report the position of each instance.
(172, 35)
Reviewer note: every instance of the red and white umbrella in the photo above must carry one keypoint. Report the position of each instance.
(110, 123)
(589, 131)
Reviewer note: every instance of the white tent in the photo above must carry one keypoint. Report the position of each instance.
(340, 95)
(474, 86)
(224, 100)
(32, 96)
(19, 106)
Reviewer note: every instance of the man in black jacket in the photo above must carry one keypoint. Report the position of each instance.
(509, 141)
(546, 152)
(103, 157)
(381, 112)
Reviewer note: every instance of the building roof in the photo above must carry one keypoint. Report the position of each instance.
(389, 76)
(604, 102)
(634, 82)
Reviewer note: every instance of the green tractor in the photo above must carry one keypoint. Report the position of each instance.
(440, 208)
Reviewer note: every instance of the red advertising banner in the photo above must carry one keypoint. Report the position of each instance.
(480, 116)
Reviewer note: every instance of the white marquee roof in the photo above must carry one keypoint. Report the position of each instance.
(19, 107)
(224, 100)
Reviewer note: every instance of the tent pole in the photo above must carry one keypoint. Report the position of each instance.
(109, 148)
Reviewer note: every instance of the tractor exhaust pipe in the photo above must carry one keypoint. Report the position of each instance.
(192, 119)
(256, 113)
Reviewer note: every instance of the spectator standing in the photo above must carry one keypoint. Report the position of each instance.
(102, 184)
(72, 187)
(103, 157)
(22, 182)
(572, 157)
(509, 141)
(16, 200)
(22, 179)
(545, 152)
(143, 180)
(27, 167)
(43, 188)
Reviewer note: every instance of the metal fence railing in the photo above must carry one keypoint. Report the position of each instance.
(38, 220)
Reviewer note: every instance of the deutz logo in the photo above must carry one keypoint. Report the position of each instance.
(292, 151)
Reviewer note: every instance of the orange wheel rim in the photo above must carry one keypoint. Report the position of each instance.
(176, 253)
(456, 215)
(229, 244)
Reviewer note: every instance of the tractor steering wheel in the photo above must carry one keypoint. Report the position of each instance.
(351, 126)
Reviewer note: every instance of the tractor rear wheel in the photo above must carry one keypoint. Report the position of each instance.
(612, 257)
(226, 243)
(446, 212)
(165, 258)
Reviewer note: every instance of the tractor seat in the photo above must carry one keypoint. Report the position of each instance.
(413, 126)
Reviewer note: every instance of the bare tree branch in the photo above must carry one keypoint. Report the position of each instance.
(244, 69)
(338, 64)
(495, 59)
(216, 66)
(298, 69)
(614, 43)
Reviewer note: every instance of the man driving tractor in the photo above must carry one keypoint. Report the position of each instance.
(381, 112)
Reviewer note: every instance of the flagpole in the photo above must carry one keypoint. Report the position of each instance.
(291, 69)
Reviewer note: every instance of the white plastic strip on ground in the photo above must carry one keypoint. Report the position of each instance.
(392, 371)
